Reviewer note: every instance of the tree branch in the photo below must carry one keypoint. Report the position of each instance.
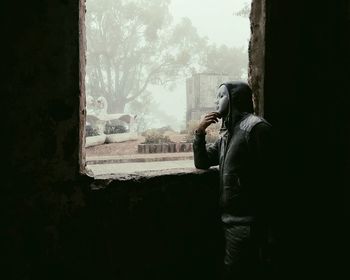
(146, 82)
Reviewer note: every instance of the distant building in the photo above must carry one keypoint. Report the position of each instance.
(201, 94)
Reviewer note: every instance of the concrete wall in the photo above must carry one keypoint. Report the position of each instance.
(58, 224)
(201, 94)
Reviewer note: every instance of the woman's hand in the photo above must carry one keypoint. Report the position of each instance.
(212, 117)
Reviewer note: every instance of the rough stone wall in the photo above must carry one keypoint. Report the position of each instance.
(257, 54)
(58, 224)
(157, 228)
(41, 63)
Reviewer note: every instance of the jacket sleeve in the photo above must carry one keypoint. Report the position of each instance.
(204, 156)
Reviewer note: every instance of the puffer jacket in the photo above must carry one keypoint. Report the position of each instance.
(241, 153)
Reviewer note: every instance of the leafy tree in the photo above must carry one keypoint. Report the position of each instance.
(132, 44)
(225, 60)
(244, 11)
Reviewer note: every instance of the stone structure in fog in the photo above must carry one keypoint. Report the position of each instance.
(201, 94)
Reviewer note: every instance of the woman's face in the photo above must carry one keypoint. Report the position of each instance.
(222, 101)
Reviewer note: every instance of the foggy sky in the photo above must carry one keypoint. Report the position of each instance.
(215, 20)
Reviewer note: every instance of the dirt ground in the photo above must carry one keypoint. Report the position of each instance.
(124, 148)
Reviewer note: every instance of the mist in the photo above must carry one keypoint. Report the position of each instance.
(139, 59)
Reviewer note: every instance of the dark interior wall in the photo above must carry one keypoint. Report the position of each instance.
(164, 227)
(40, 79)
(307, 101)
(55, 223)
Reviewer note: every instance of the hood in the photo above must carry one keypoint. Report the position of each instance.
(240, 103)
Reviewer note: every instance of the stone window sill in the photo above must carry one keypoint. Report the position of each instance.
(137, 176)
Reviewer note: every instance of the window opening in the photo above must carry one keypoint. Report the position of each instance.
(152, 69)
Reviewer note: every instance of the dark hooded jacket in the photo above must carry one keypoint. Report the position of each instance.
(241, 153)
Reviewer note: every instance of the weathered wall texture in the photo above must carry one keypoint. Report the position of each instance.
(53, 225)
(56, 224)
(160, 228)
(41, 62)
(257, 54)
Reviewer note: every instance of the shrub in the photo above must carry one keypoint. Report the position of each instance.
(152, 136)
(191, 127)
(164, 129)
(114, 129)
(212, 131)
(160, 130)
(90, 131)
(184, 131)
